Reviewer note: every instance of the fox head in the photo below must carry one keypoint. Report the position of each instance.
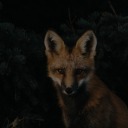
(70, 69)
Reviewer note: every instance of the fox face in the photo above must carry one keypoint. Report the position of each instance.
(70, 68)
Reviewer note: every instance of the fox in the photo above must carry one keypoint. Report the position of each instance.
(84, 99)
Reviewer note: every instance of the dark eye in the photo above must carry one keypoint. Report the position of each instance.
(79, 71)
(61, 71)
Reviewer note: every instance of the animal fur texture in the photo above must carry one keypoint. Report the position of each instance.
(85, 100)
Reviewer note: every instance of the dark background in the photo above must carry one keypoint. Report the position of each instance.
(27, 98)
(40, 14)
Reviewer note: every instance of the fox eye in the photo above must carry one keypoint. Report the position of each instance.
(79, 71)
(61, 71)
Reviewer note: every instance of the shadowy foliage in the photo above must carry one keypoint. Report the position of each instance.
(27, 98)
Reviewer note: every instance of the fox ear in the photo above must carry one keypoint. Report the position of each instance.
(53, 42)
(86, 44)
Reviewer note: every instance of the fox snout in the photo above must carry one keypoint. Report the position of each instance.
(74, 87)
(69, 90)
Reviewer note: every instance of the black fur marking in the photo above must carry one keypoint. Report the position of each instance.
(88, 46)
(52, 44)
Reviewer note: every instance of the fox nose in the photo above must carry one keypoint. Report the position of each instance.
(69, 90)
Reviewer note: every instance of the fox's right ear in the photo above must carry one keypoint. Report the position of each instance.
(53, 42)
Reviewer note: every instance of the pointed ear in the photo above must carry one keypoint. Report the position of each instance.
(53, 42)
(86, 44)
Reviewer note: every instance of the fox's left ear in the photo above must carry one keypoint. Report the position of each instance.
(53, 42)
(86, 44)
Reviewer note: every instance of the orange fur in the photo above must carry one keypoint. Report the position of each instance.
(85, 100)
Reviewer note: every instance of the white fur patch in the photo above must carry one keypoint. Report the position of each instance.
(56, 80)
(81, 82)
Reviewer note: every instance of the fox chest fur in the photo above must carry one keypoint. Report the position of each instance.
(84, 99)
(85, 110)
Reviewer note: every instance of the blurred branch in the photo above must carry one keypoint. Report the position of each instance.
(71, 21)
(112, 8)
